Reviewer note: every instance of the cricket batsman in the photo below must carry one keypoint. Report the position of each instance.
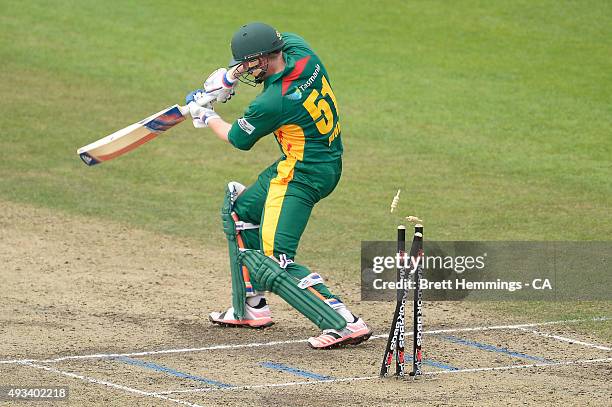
(264, 222)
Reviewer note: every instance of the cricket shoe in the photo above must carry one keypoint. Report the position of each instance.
(253, 317)
(353, 334)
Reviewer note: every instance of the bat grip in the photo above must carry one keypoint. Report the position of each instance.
(208, 100)
(184, 110)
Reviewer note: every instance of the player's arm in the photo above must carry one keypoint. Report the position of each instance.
(262, 117)
(205, 116)
(220, 127)
(219, 86)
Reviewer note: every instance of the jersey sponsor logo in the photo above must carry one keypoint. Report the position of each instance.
(245, 125)
(312, 78)
(295, 95)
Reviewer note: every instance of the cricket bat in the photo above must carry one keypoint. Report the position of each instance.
(134, 135)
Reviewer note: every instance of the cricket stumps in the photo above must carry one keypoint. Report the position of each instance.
(396, 341)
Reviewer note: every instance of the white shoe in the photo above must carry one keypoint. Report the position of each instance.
(253, 317)
(353, 334)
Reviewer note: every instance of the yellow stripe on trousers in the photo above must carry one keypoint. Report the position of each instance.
(274, 203)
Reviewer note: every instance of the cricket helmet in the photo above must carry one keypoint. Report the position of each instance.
(254, 40)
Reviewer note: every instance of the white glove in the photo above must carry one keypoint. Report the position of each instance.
(204, 99)
(201, 115)
(220, 85)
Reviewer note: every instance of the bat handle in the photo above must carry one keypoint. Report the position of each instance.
(184, 110)
(208, 99)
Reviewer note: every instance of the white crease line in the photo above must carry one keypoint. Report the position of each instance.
(499, 327)
(566, 339)
(511, 367)
(109, 384)
(155, 352)
(265, 386)
(353, 379)
(292, 341)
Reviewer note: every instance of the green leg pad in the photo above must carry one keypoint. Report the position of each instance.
(238, 285)
(250, 238)
(273, 278)
(299, 272)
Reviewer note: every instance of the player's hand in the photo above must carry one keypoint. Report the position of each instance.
(220, 85)
(201, 115)
(200, 97)
(191, 96)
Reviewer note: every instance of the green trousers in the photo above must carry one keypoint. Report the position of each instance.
(280, 201)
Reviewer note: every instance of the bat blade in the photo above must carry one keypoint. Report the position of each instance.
(134, 135)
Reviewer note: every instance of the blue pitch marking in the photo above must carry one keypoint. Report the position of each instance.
(164, 369)
(434, 363)
(491, 348)
(293, 370)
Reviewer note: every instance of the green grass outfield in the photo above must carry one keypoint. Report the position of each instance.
(494, 117)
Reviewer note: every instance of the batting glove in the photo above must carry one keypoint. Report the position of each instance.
(221, 85)
(201, 115)
(200, 97)
(191, 96)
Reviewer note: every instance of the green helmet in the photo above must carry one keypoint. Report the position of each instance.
(253, 40)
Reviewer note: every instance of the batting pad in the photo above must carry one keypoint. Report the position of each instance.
(273, 278)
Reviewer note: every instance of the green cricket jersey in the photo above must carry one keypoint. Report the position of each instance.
(300, 108)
